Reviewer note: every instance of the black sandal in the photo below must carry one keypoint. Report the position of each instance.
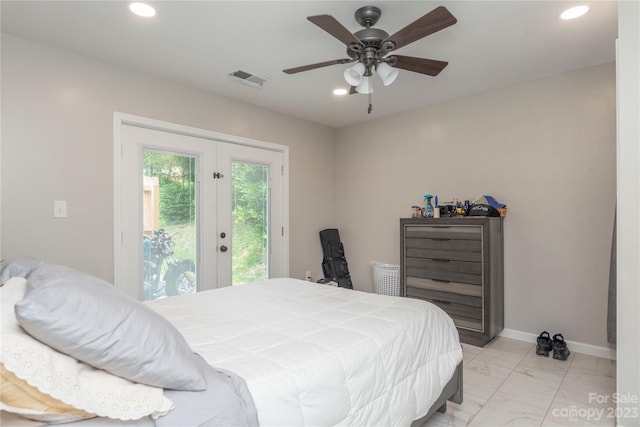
(560, 350)
(544, 344)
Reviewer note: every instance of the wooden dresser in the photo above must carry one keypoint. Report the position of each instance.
(457, 264)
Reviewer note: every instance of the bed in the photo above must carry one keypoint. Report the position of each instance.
(282, 352)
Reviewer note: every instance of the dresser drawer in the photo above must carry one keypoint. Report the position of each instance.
(472, 232)
(451, 255)
(444, 297)
(453, 271)
(450, 243)
(444, 286)
(444, 265)
(463, 315)
(444, 244)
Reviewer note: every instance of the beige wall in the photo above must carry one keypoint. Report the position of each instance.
(57, 144)
(545, 148)
(628, 331)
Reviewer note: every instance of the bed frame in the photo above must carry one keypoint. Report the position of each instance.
(452, 391)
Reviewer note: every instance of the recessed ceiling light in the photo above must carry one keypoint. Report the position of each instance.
(142, 9)
(340, 92)
(574, 12)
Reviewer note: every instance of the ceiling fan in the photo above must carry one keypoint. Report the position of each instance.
(370, 47)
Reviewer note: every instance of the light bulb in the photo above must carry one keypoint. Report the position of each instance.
(366, 86)
(353, 75)
(387, 73)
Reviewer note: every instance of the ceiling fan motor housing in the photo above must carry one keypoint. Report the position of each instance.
(369, 52)
(367, 16)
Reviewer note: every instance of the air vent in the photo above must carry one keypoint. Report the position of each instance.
(247, 78)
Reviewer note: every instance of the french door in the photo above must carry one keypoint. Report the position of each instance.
(197, 213)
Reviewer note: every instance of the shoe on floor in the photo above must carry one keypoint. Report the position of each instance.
(544, 344)
(560, 350)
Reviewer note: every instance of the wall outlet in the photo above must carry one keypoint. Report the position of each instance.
(307, 275)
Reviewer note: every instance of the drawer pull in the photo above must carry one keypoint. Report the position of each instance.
(442, 239)
(440, 301)
(441, 280)
(440, 260)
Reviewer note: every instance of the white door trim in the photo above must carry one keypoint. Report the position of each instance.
(120, 119)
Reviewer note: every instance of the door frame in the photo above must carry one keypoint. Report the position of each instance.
(121, 119)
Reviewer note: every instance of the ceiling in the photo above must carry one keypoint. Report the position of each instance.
(494, 44)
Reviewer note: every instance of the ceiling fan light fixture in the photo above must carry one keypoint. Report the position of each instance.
(387, 73)
(366, 86)
(353, 75)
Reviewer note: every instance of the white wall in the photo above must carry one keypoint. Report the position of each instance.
(628, 332)
(545, 148)
(57, 144)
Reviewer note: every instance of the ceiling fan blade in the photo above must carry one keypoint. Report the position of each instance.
(430, 67)
(335, 28)
(436, 20)
(318, 65)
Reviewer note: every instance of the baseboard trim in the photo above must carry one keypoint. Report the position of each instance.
(578, 347)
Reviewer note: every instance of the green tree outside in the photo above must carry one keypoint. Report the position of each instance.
(250, 222)
(177, 188)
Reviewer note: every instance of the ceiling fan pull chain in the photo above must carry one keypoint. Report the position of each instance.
(370, 105)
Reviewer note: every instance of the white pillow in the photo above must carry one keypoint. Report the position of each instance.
(90, 320)
(67, 379)
(17, 267)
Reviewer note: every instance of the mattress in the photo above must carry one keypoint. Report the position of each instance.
(314, 354)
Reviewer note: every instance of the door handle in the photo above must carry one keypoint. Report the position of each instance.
(223, 248)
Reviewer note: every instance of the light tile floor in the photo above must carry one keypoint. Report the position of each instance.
(507, 384)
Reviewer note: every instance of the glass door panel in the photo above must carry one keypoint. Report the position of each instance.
(196, 214)
(251, 230)
(169, 241)
(250, 223)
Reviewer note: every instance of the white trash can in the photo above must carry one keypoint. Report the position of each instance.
(386, 278)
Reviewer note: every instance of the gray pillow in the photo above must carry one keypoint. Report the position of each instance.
(17, 267)
(87, 318)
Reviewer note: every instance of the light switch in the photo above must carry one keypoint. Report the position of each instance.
(59, 208)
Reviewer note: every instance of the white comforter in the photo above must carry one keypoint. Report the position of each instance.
(316, 355)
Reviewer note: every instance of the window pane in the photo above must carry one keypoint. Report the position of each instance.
(169, 218)
(250, 194)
